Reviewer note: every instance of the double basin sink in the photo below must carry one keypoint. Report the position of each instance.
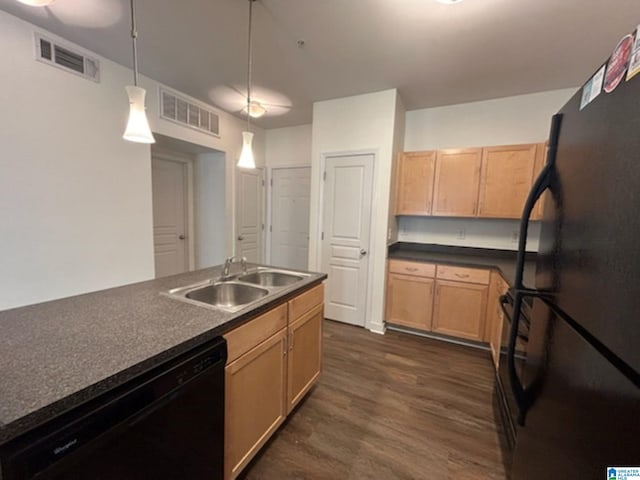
(237, 292)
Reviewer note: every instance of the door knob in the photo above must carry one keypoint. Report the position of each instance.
(363, 252)
(240, 237)
(181, 237)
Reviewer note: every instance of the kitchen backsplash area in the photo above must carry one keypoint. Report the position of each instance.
(467, 232)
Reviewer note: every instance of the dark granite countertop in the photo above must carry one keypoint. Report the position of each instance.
(503, 260)
(57, 355)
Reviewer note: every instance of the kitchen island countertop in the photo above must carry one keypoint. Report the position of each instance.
(59, 354)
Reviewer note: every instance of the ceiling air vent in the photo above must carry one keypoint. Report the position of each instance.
(67, 58)
(179, 109)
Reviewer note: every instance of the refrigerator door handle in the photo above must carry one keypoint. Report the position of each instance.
(541, 184)
(519, 392)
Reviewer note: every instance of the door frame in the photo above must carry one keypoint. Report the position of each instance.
(187, 162)
(374, 152)
(269, 205)
(263, 200)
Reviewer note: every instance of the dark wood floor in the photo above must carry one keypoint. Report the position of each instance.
(389, 407)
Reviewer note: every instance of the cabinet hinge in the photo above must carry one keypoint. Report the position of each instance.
(322, 236)
(263, 226)
(271, 228)
(263, 183)
(324, 176)
(271, 182)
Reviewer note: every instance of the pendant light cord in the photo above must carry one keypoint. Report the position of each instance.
(249, 61)
(134, 37)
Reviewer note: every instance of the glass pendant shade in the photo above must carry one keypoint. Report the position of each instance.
(37, 3)
(137, 127)
(246, 155)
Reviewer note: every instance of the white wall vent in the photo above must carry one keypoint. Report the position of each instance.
(67, 58)
(178, 109)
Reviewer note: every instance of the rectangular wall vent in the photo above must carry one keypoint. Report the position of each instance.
(66, 58)
(183, 111)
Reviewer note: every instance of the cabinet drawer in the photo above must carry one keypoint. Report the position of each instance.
(417, 269)
(463, 274)
(305, 302)
(247, 336)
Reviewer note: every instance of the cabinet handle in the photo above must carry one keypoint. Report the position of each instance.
(411, 269)
(291, 341)
(462, 275)
(285, 342)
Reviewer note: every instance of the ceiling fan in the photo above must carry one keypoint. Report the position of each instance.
(263, 102)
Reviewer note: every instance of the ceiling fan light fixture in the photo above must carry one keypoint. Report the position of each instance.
(255, 109)
(37, 3)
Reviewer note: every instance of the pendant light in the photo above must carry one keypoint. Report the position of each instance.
(246, 159)
(137, 127)
(37, 3)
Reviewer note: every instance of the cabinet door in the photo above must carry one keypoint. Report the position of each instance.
(254, 401)
(457, 179)
(305, 355)
(409, 301)
(415, 183)
(505, 181)
(495, 316)
(460, 309)
(541, 158)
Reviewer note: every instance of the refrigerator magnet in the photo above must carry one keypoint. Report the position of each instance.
(593, 87)
(634, 62)
(618, 64)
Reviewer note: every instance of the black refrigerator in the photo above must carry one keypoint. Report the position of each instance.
(579, 391)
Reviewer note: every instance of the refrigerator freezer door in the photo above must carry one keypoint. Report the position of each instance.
(589, 248)
(585, 417)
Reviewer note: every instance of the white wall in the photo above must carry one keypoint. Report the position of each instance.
(484, 233)
(356, 124)
(502, 121)
(210, 196)
(288, 147)
(75, 199)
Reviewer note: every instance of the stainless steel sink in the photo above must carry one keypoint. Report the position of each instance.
(226, 295)
(270, 278)
(237, 292)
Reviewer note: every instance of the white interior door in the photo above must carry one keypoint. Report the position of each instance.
(346, 233)
(249, 214)
(290, 193)
(169, 186)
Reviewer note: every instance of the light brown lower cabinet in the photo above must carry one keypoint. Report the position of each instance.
(445, 299)
(305, 355)
(459, 309)
(274, 360)
(495, 316)
(254, 400)
(409, 300)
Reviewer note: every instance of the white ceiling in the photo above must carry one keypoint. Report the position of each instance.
(433, 53)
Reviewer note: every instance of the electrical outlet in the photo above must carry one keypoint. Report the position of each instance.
(461, 234)
(515, 236)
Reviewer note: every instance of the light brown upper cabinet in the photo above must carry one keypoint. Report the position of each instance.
(456, 183)
(505, 181)
(415, 183)
(541, 158)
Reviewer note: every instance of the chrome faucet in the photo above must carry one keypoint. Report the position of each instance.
(229, 261)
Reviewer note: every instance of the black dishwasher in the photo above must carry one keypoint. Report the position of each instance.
(165, 424)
